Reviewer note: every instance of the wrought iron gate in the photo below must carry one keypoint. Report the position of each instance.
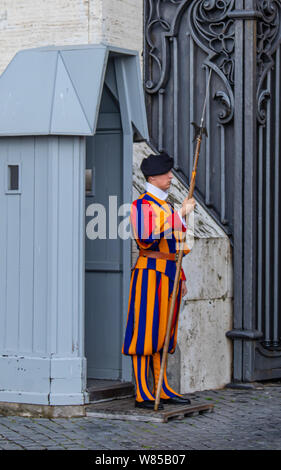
(238, 175)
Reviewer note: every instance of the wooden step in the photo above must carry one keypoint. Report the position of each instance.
(125, 410)
(101, 390)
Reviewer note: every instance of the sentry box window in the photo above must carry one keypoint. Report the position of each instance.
(89, 181)
(13, 178)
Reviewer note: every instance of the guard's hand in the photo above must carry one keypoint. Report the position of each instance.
(188, 206)
(183, 289)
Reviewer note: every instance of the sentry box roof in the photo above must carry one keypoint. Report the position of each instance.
(57, 90)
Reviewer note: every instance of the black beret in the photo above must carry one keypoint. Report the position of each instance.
(157, 164)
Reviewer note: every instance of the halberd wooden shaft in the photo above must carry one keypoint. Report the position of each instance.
(199, 130)
(176, 282)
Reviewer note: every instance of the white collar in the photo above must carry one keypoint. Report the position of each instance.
(155, 191)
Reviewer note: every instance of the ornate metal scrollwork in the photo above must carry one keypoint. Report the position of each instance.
(226, 114)
(263, 96)
(212, 31)
(268, 39)
(156, 52)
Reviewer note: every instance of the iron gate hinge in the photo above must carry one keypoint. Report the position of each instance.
(244, 334)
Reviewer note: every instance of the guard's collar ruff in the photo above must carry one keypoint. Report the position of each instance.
(155, 191)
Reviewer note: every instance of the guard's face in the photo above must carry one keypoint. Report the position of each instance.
(162, 181)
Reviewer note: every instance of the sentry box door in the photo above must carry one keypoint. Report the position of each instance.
(103, 247)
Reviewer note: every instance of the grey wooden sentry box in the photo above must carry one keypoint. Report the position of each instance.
(62, 294)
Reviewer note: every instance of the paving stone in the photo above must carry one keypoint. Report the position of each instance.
(242, 419)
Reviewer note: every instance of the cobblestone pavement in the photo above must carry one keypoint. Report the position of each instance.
(242, 419)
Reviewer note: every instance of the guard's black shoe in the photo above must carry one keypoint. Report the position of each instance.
(147, 405)
(175, 401)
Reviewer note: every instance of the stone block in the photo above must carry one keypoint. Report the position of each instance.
(208, 269)
(206, 353)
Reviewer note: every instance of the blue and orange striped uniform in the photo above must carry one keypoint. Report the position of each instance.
(156, 227)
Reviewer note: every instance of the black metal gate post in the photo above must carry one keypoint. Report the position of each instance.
(238, 197)
(249, 184)
(245, 213)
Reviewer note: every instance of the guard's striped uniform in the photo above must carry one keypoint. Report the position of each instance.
(150, 293)
(156, 227)
(141, 365)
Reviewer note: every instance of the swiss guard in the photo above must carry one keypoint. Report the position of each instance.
(157, 229)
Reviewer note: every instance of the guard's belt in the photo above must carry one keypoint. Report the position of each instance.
(158, 255)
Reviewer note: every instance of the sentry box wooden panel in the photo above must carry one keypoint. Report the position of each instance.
(68, 119)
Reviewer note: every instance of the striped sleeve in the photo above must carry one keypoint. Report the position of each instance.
(142, 221)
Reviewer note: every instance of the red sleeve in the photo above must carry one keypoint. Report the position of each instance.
(175, 222)
(183, 275)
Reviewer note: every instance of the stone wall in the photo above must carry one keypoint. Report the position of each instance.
(29, 23)
(204, 356)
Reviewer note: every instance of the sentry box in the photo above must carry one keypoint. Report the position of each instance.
(68, 119)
